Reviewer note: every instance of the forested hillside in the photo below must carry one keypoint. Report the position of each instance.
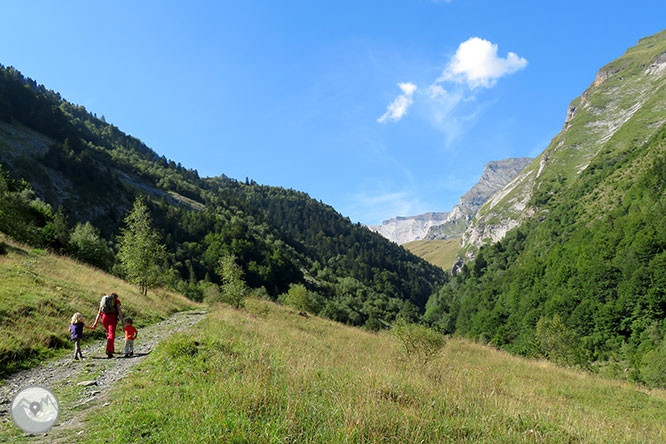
(585, 281)
(69, 179)
(582, 278)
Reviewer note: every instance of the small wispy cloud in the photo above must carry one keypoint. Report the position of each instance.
(476, 63)
(398, 108)
(374, 208)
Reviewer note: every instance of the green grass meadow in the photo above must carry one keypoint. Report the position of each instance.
(442, 253)
(268, 375)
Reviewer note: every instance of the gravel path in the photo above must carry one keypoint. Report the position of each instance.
(87, 382)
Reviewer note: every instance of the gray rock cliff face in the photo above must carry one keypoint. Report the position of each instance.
(432, 226)
(495, 175)
(406, 229)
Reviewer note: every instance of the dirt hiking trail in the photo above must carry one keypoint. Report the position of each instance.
(81, 386)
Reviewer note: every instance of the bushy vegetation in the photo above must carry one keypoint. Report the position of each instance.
(419, 342)
(279, 237)
(585, 285)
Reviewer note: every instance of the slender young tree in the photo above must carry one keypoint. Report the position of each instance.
(140, 250)
(234, 287)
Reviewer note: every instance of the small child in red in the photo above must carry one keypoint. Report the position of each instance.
(130, 336)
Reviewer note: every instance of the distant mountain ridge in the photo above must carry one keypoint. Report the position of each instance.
(410, 228)
(496, 174)
(449, 225)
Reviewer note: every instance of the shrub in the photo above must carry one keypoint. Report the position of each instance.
(301, 299)
(87, 245)
(653, 369)
(557, 342)
(419, 342)
(211, 293)
(3, 248)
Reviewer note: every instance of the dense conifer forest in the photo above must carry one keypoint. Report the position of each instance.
(69, 179)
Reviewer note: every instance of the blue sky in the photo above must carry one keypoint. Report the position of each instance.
(379, 108)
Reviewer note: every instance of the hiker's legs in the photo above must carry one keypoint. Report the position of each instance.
(109, 323)
(129, 346)
(77, 348)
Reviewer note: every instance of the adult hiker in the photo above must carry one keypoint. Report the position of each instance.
(110, 312)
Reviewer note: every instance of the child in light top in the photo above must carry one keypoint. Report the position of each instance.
(76, 333)
(130, 336)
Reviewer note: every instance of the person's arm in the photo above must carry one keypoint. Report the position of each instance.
(120, 314)
(99, 313)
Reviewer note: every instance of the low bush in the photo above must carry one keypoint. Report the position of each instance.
(419, 342)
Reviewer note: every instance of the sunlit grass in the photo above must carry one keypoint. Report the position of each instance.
(40, 292)
(269, 375)
(440, 252)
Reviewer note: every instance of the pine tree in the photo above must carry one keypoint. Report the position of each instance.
(140, 250)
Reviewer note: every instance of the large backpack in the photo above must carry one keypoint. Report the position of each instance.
(108, 303)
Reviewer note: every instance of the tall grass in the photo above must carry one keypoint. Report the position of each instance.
(39, 293)
(268, 375)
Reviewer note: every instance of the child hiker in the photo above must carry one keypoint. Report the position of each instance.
(76, 333)
(130, 336)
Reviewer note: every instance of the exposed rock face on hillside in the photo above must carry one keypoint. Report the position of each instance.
(431, 226)
(623, 107)
(495, 175)
(406, 229)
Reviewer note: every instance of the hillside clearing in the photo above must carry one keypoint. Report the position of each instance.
(441, 253)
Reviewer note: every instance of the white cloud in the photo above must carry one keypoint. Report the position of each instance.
(476, 62)
(436, 91)
(398, 108)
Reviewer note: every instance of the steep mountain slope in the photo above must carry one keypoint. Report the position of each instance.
(623, 106)
(406, 229)
(587, 270)
(430, 226)
(495, 175)
(279, 237)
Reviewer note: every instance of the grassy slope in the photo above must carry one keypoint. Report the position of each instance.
(438, 252)
(270, 375)
(40, 292)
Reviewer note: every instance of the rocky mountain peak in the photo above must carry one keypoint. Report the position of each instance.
(441, 225)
